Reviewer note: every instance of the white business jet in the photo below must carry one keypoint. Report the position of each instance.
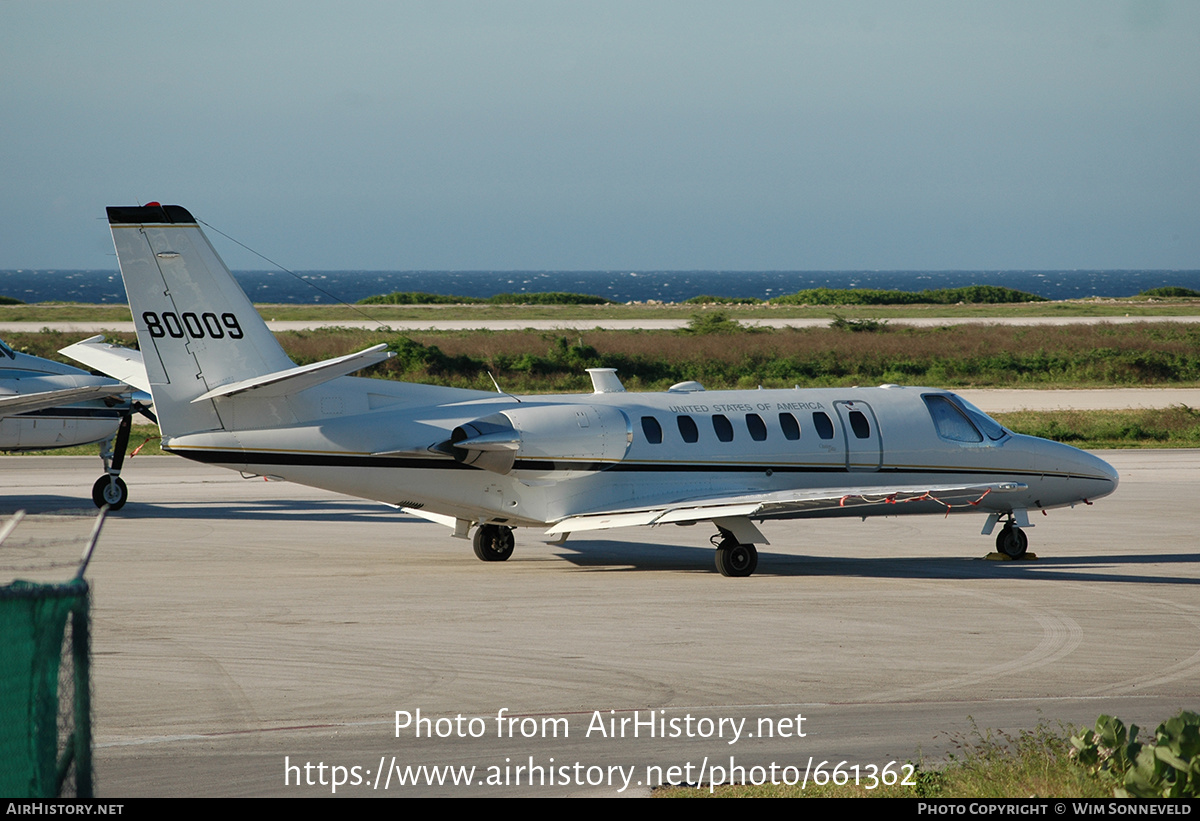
(226, 394)
(46, 405)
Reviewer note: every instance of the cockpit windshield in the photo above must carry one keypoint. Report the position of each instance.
(985, 423)
(6, 351)
(958, 420)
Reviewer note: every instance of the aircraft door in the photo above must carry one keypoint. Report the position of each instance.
(864, 446)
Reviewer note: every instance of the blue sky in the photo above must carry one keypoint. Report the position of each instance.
(610, 135)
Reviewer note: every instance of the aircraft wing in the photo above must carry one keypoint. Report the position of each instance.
(783, 503)
(119, 363)
(16, 403)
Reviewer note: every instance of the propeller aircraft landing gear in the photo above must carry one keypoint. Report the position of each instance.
(493, 543)
(110, 489)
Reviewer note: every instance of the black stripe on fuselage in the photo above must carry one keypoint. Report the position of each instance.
(351, 460)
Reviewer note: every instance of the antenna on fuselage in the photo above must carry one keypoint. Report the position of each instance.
(498, 390)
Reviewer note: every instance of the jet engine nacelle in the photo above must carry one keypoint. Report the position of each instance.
(566, 440)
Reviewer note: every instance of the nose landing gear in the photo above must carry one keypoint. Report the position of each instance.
(1012, 541)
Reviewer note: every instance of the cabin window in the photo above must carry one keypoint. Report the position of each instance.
(791, 428)
(723, 428)
(756, 426)
(688, 429)
(860, 425)
(823, 424)
(951, 423)
(652, 429)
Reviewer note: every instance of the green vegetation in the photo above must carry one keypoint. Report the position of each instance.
(426, 307)
(960, 356)
(417, 298)
(545, 298)
(8, 300)
(719, 352)
(974, 294)
(1102, 763)
(548, 298)
(144, 439)
(1034, 762)
(1100, 355)
(971, 294)
(857, 325)
(990, 356)
(1175, 427)
(709, 299)
(1167, 767)
(1172, 291)
(714, 322)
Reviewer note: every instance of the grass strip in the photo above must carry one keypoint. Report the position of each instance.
(723, 355)
(987, 764)
(743, 309)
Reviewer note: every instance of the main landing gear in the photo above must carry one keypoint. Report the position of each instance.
(1012, 541)
(733, 558)
(494, 543)
(110, 488)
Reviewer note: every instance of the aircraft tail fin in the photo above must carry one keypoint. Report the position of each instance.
(196, 328)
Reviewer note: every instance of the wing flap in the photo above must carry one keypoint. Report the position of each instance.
(603, 521)
(771, 505)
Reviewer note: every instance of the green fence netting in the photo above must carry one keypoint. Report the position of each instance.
(45, 709)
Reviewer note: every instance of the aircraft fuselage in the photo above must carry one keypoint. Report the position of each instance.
(571, 455)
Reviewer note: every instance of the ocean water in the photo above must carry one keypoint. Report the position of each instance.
(325, 287)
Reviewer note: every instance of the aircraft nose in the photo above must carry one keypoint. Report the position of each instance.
(1099, 476)
(1096, 469)
(1106, 470)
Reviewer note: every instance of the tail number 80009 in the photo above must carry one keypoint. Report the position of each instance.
(190, 324)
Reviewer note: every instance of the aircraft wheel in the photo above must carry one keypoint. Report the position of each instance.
(493, 543)
(110, 491)
(1012, 541)
(737, 560)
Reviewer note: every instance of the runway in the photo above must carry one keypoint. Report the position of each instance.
(244, 629)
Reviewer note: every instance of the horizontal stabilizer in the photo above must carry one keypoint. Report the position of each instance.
(774, 505)
(299, 378)
(113, 360)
